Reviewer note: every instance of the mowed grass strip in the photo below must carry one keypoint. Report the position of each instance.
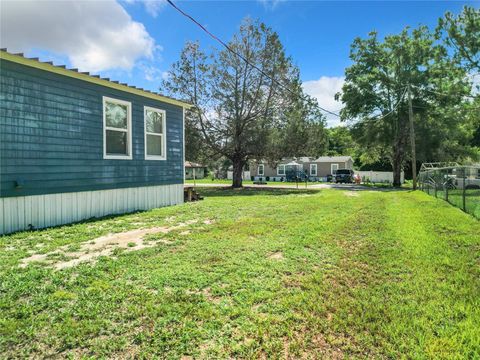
(261, 273)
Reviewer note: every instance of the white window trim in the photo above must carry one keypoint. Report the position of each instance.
(128, 130)
(316, 168)
(278, 170)
(331, 168)
(263, 170)
(163, 135)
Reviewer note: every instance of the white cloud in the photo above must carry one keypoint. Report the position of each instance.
(270, 4)
(153, 73)
(95, 35)
(324, 90)
(153, 7)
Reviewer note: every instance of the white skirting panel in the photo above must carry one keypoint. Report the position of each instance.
(40, 211)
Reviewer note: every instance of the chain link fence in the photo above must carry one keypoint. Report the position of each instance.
(459, 185)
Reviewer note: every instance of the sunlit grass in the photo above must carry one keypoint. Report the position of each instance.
(262, 273)
(471, 205)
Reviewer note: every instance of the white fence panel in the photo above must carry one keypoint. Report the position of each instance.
(245, 176)
(379, 176)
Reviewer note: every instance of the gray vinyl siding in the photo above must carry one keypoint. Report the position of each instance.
(268, 170)
(199, 173)
(323, 168)
(51, 136)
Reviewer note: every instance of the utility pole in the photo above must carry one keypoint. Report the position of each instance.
(412, 139)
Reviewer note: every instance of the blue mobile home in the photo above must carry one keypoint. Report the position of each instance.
(75, 146)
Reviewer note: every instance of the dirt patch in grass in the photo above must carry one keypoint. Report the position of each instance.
(330, 351)
(351, 193)
(317, 346)
(276, 256)
(207, 293)
(89, 251)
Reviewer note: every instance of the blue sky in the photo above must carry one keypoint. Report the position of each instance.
(317, 34)
(136, 41)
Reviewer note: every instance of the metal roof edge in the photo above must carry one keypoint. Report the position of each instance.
(61, 70)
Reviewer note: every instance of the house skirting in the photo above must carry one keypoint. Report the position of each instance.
(270, 178)
(41, 211)
(283, 178)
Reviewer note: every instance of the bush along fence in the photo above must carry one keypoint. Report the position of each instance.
(457, 184)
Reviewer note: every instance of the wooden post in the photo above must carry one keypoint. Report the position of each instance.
(445, 187)
(464, 189)
(412, 140)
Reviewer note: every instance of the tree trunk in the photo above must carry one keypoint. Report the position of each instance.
(397, 173)
(237, 173)
(397, 162)
(399, 150)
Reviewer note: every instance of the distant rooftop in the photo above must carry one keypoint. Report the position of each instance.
(307, 159)
(86, 76)
(333, 159)
(191, 164)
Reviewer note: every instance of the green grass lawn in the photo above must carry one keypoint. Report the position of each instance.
(406, 185)
(260, 274)
(472, 200)
(455, 197)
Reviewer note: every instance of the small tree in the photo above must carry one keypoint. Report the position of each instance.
(340, 141)
(236, 106)
(302, 129)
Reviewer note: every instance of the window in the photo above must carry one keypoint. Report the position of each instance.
(313, 169)
(281, 170)
(117, 129)
(334, 168)
(261, 170)
(155, 142)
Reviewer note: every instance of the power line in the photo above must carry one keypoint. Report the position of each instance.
(427, 107)
(240, 55)
(394, 108)
(443, 94)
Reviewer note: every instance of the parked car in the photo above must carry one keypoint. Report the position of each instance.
(470, 183)
(344, 176)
